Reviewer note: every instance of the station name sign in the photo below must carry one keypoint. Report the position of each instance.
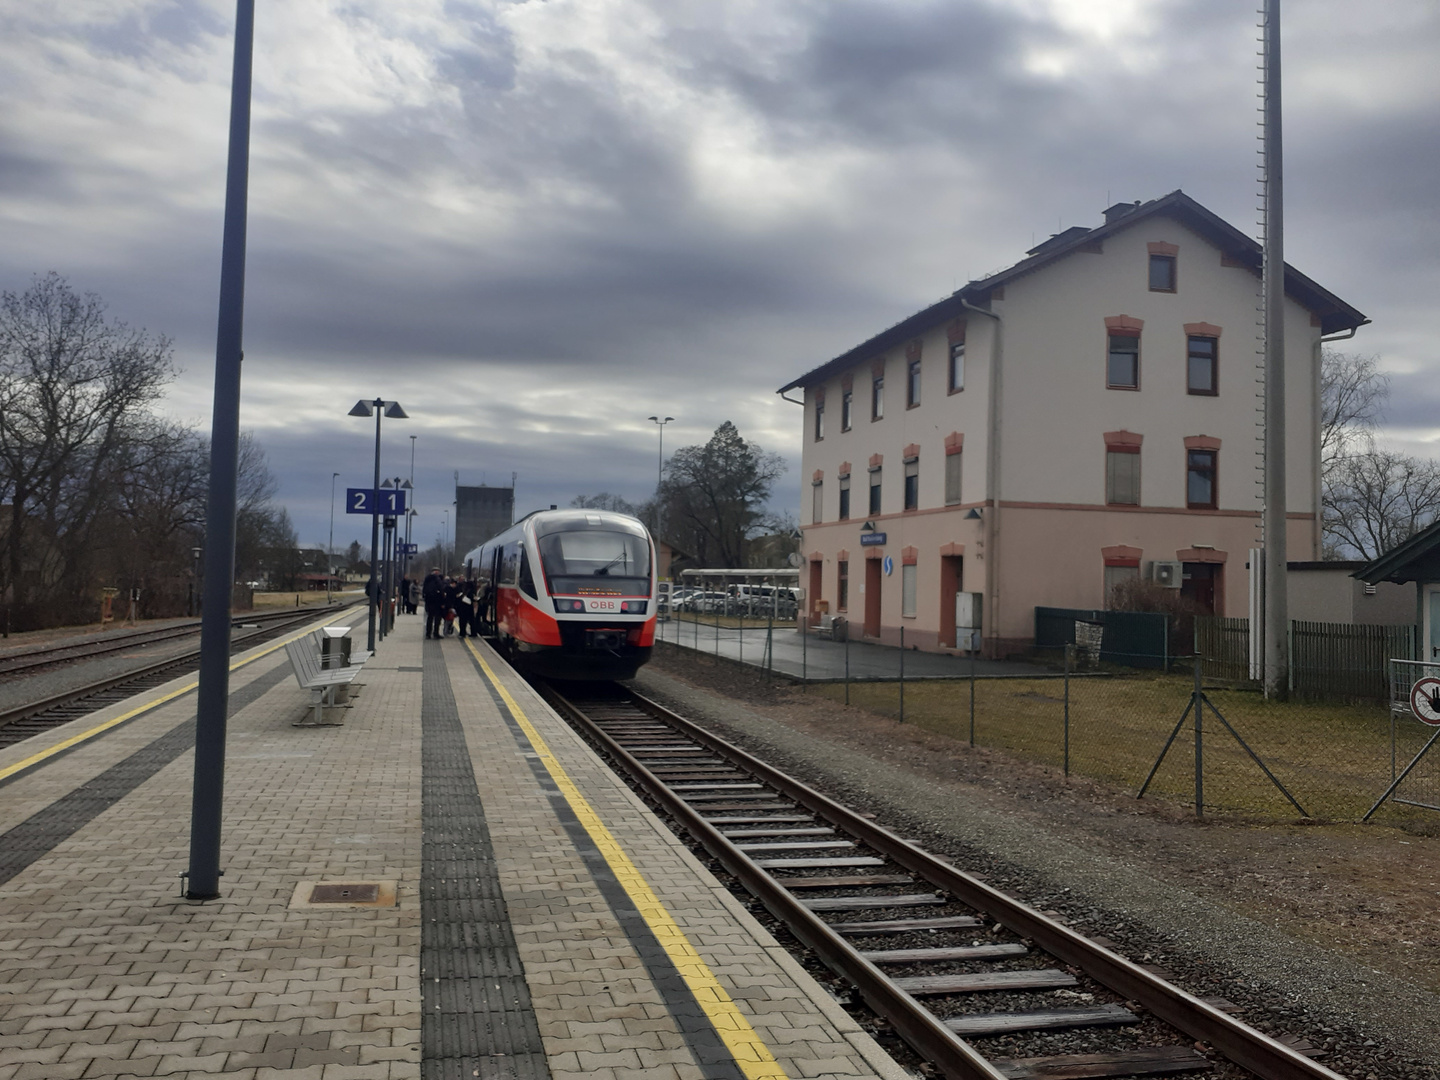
(872, 539)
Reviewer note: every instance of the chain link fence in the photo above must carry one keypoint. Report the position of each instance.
(1137, 728)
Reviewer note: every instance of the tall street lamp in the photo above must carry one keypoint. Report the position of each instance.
(330, 550)
(445, 542)
(376, 408)
(660, 468)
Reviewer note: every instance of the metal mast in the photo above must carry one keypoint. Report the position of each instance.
(1277, 616)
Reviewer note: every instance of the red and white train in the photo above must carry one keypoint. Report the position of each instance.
(571, 593)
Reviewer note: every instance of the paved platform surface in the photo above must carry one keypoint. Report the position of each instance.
(545, 923)
(818, 658)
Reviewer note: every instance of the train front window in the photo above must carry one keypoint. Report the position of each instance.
(596, 563)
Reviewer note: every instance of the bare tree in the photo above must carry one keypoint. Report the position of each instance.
(1371, 499)
(74, 387)
(714, 496)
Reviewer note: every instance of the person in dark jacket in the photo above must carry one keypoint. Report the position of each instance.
(465, 607)
(453, 599)
(433, 593)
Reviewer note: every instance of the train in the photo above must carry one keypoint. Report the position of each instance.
(570, 594)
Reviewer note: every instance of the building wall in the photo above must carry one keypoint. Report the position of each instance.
(480, 513)
(1055, 408)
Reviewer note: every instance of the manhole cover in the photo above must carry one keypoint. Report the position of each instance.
(345, 894)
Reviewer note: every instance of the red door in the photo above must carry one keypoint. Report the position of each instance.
(872, 598)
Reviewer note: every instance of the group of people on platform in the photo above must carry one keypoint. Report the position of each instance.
(452, 605)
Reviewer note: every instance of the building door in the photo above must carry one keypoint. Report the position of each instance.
(952, 576)
(815, 570)
(1432, 625)
(872, 598)
(1200, 583)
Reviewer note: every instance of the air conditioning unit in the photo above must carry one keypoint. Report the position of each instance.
(1166, 574)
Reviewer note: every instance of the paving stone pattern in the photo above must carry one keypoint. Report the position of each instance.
(106, 972)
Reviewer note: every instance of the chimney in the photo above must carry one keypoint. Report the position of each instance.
(1119, 210)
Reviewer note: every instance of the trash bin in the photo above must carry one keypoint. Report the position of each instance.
(334, 646)
(839, 628)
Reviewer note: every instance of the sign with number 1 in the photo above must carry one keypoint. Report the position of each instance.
(387, 501)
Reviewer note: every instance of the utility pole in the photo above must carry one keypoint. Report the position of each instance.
(1277, 614)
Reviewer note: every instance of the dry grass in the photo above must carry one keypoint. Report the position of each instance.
(268, 601)
(1334, 759)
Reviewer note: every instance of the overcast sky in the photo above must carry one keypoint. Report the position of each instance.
(537, 223)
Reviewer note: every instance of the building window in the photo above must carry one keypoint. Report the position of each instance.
(874, 492)
(845, 497)
(1200, 479)
(847, 409)
(1118, 578)
(819, 419)
(912, 385)
(957, 367)
(1122, 369)
(952, 478)
(907, 590)
(1122, 477)
(912, 485)
(842, 591)
(817, 501)
(1162, 273)
(1202, 373)
(877, 398)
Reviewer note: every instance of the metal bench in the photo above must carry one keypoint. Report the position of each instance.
(320, 681)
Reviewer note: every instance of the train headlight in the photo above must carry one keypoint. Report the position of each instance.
(634, 607)
(569, 605)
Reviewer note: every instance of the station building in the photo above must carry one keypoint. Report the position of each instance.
(1091, 414)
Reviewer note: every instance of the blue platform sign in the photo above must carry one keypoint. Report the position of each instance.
(872, 539)
(387, 501)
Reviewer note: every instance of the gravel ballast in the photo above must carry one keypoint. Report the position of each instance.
(1372, 1024)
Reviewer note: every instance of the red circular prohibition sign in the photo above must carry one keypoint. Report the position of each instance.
(1425, 701)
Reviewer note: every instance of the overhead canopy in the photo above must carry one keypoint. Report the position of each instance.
(1417, 559)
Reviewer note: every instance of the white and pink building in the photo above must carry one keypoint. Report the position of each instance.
(1090, 414)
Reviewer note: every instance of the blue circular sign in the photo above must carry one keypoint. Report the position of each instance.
(888, 565)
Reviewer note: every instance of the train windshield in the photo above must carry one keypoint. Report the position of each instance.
(593, 562)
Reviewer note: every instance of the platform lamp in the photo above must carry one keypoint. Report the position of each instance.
(330, 551)
(377, 408)
(660, 469)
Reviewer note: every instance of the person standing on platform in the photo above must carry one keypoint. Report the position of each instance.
(433, 593)
(465, 607)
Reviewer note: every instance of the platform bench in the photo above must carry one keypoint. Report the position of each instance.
(321, 681)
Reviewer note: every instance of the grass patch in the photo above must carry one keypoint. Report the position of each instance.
(1334, 759)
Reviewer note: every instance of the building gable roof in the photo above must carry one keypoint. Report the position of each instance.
(1335, 315)
(1416, 559)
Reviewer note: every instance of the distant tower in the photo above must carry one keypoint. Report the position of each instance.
(480, 513)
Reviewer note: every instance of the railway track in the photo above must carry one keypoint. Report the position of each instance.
(24, 721)
(949, 962)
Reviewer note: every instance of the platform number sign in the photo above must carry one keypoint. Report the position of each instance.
(387, 501)
(1425, 701)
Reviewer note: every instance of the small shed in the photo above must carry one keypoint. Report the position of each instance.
(1416, 560)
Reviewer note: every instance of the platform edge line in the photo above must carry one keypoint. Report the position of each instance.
(749, 1050)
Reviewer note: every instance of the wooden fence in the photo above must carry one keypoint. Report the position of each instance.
(1327, 660)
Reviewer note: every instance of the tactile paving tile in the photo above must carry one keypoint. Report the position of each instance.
(477, 1018)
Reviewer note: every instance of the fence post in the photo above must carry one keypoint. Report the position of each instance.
(770, 640)
(804, 652)
(1068, 647)
(972, 695)
(1199, 745)
(902, 674)
(847, 665)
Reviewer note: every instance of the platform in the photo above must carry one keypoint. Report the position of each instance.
(812, 658)
(543, 922)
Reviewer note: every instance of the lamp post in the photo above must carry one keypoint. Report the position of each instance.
(330, 548)
(660, 467)
(445, 543)
(195, 580)
(377, 408)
